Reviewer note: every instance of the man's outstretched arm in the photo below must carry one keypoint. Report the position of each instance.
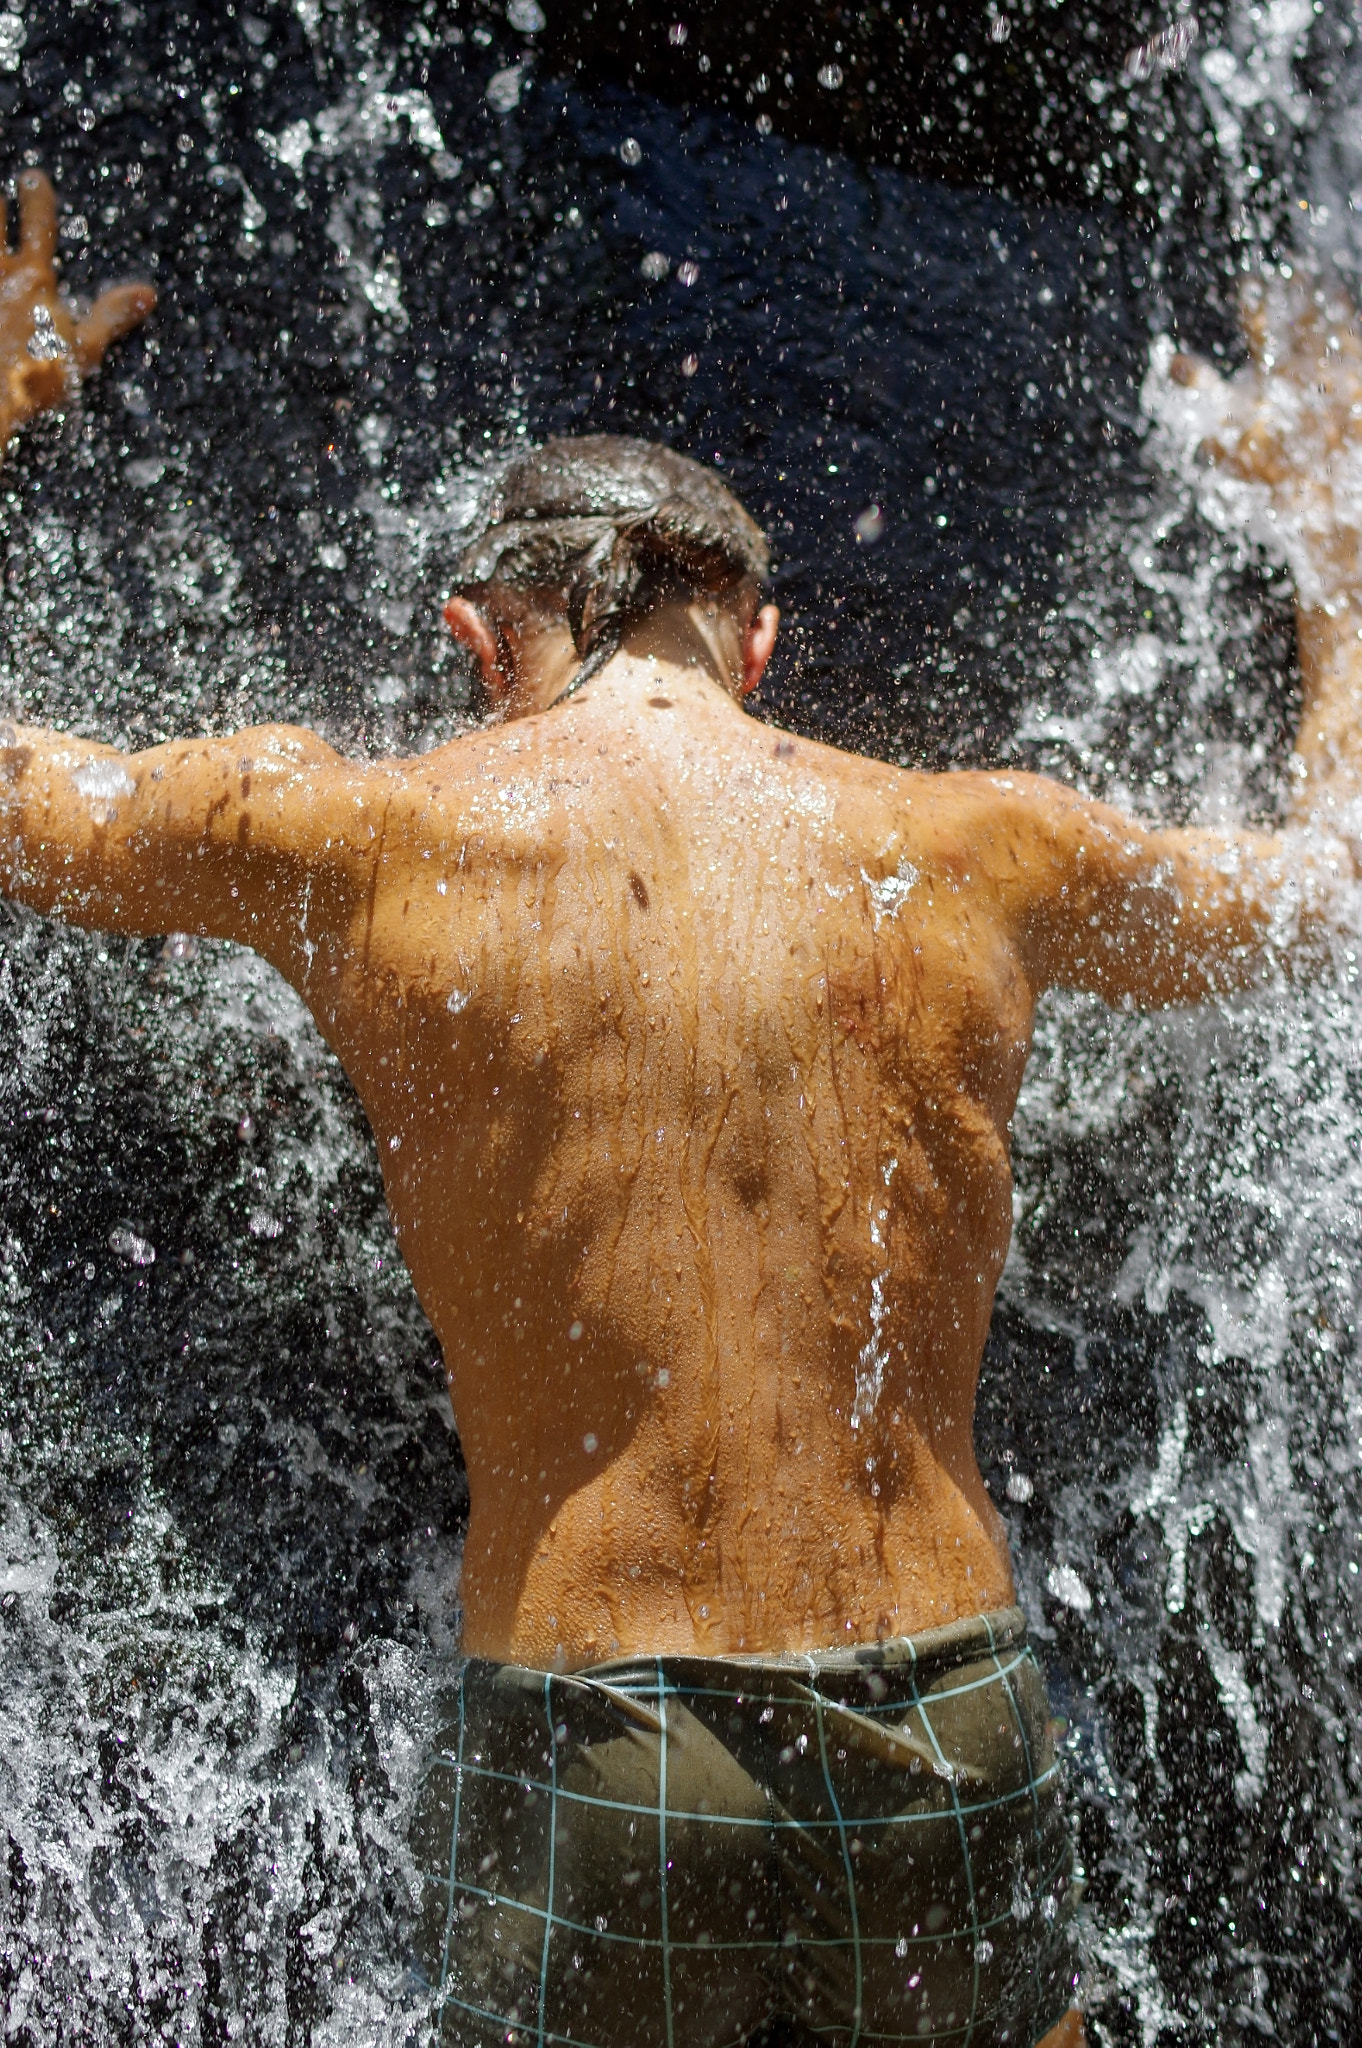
(1166, 916)
(221, 836)
(233, 838)
(1154, 917)
(1288, 428)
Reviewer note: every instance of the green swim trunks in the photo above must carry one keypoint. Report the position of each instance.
(668, 1852)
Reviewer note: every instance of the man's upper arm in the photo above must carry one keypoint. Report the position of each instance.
(1150, 916)
(218, 836)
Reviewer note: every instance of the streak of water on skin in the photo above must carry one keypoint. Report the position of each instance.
(874, 1354)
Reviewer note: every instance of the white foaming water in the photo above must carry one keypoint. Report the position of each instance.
(206, 1822)
(1239, 1132)
(212, 1789)
(209, 1832)
(196, 1830)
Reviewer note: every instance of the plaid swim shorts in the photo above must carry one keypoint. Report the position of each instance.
(668, 1852)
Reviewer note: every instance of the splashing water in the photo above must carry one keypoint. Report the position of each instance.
(231, 1499)
(1189, 1200)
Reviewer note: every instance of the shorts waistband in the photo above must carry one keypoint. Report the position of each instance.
(954, 1643)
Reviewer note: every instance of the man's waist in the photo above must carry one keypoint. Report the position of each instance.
(991, 1635)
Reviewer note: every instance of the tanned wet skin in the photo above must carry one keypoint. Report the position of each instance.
(691, 1048)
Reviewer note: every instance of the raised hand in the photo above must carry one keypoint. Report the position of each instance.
(1286, 435)
(1290, 422)
(45, 348)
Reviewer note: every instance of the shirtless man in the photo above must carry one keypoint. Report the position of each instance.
(690, 1050)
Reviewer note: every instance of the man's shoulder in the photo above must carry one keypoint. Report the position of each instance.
(1016, 837)
(975, 800)
(448, 775)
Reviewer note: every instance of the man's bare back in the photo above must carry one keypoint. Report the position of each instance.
(720, 1221)
(690, 1050)
(705, 1063)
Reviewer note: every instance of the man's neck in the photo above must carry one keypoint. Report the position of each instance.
(631, 675)
(675, 648)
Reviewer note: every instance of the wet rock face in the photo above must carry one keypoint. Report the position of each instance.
(388, 246)
(963, 94)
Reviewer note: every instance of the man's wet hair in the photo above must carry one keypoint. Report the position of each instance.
(612, 528)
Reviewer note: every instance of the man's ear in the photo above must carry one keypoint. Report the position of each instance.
(757, 645)
(468, 626)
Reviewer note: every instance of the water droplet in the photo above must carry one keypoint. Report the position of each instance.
(131, 1247)
(527, 17)
(1000, 29)
(45, 345)
(504, 89)
(1019, 1487)
(291, 144)
(1063, 1581)
(830, 77)
(689, 365)
(687, 272)
(374, 431)
(574, 1333)
(677, 34)
(12, 33)
(655, 266)
(631, 151)
(983, 1951)
(589, 1444)
(144, 472)
(870, 525)
(901, 1947)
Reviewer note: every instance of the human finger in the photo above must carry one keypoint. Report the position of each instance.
(114, 313)
(1217, 395)
(1194, 373)
(31, 387)
(37, 217)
